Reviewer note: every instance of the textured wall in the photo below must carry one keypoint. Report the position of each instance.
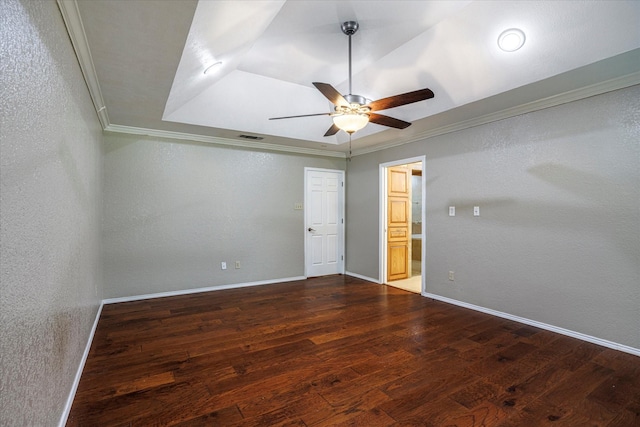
(175, 210)
(50, 185)
(558, 239)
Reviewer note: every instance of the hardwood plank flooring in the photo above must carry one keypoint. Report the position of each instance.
(342, 351)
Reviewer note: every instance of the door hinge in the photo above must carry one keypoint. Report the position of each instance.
(342, 220)
(342, 183)
(341, 257)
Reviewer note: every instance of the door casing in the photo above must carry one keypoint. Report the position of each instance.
(340, 213)
(382, 216)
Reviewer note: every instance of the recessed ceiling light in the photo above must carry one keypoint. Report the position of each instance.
(511, 40)
(212, 67)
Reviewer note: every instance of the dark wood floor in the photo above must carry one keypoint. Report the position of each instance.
(342, 351)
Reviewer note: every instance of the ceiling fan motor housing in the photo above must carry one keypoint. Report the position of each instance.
(356, 99)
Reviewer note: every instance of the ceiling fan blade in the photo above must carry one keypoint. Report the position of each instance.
(380, 119)
(332, 130)
(403, 99)
(331, 93)
(304, 115)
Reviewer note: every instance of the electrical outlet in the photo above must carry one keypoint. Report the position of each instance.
(452, 275)
(237, 264)
(476, 211)
(223, 265)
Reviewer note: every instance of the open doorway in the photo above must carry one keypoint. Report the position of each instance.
(402, 215)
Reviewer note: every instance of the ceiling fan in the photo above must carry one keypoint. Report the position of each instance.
(353, 112)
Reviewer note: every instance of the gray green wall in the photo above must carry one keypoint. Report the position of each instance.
(558, 239)
(173, 211)
(50, 210)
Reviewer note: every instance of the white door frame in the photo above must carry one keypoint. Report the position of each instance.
(382, 216)
(341, 211)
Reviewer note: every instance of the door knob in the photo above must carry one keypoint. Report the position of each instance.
(311, 230)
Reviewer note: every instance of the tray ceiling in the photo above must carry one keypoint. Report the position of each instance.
(146, 62)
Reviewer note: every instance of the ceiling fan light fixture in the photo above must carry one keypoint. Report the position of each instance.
(351, 122)
(511, 40)
(353, 112)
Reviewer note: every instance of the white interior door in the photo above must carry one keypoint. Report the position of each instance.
(324, 222)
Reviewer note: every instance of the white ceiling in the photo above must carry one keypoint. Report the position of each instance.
(147, 60)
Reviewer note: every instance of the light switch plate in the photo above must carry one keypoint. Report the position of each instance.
(476, 211)
(452, 211)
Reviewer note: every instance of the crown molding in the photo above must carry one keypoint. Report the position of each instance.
(75, 28)
(222, 141)
(552, 101)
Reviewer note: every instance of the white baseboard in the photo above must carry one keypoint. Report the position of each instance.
(76, 380)
(567, 332)
(67, 409)
(360, 276)
(198, 290)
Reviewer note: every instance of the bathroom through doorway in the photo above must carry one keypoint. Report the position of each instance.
(402, 216)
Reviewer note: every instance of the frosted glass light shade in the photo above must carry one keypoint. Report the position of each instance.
(351, 123)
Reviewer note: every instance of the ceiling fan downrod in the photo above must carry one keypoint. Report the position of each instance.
(350, 28)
